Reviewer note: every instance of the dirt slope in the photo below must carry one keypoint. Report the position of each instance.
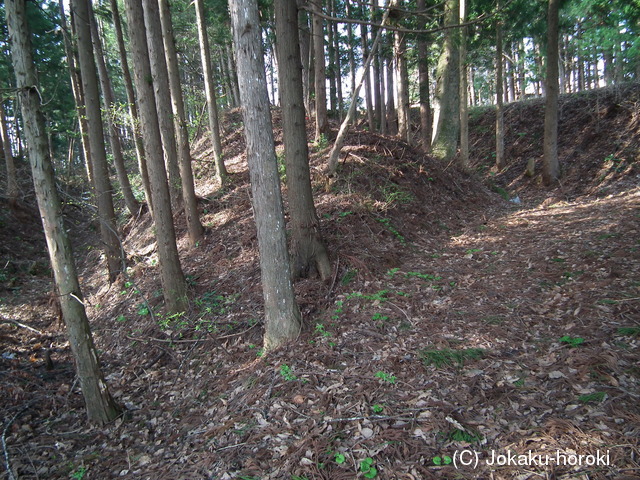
(456, 321)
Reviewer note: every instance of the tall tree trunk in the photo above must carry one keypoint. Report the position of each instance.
(392, 114)
(101, 182)
(383, 107)
(231, 66)
(131, 101)
(404, 121)
(550, 165)
(173, 282)
(76, 89)
(423, 82)
(12, 176)
(500, 160)
(282, 316)
(351, 39)
(367, 80)
(109, 103)
(305, 56)
(214, 124)
(180, 123)
(338, 70)
(377, 88)
(308, 253)
(160, 79)
(322, 119)
(331, 68)
(101, 408)
(464, 100)
(446, 128)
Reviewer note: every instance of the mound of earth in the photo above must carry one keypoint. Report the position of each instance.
(455, 322)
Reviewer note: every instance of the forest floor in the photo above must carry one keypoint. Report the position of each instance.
(472, 317)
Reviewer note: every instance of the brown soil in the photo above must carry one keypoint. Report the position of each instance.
(456, 323)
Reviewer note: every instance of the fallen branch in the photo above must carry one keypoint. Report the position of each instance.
(21, 325)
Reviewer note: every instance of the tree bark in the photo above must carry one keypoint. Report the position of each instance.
(180, 123)
(101, 408)
(173, 282)
(282, 316)
(212, 106)
(308, 253)
(322, 119)
(131, 100)
(446, 122)
(101, 181)
(367, 81)
(550, 164)
(109, 102)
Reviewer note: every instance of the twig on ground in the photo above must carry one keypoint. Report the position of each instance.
(18, 324)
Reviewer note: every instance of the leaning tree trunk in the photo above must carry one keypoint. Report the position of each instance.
(101, 408)
(184, 155)
(109, 103)
(282, 316)
(307, 249)
(101, 181)
(214, 126)
(551, 167)
(173, 282)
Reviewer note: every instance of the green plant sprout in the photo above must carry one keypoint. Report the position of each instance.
(446, 357)
(572, 341)
(629, 331)
(367, 468)
(320, 328)
(389, 226)
(443, 460)
(595, 397)
(285, 372)
(340, 458)
(377, 408)
(385, 377)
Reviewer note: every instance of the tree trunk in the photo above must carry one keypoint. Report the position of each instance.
(404, 124)
(308, 253)
(392, 116)
(76, 89)
(305, 56)
(338, 70)
(12, 176)
(109, 103)
(500, 160)
(101, 182)
(180, 123)
(322, 119)
(131, 100)
(423, 80)
(377, 89)
(446, 125)
(101, 408)
(464, 100)
(214, 125)
(173, 282)
(282, 316)
(367, 80)
(160, 79)
(550, 164)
